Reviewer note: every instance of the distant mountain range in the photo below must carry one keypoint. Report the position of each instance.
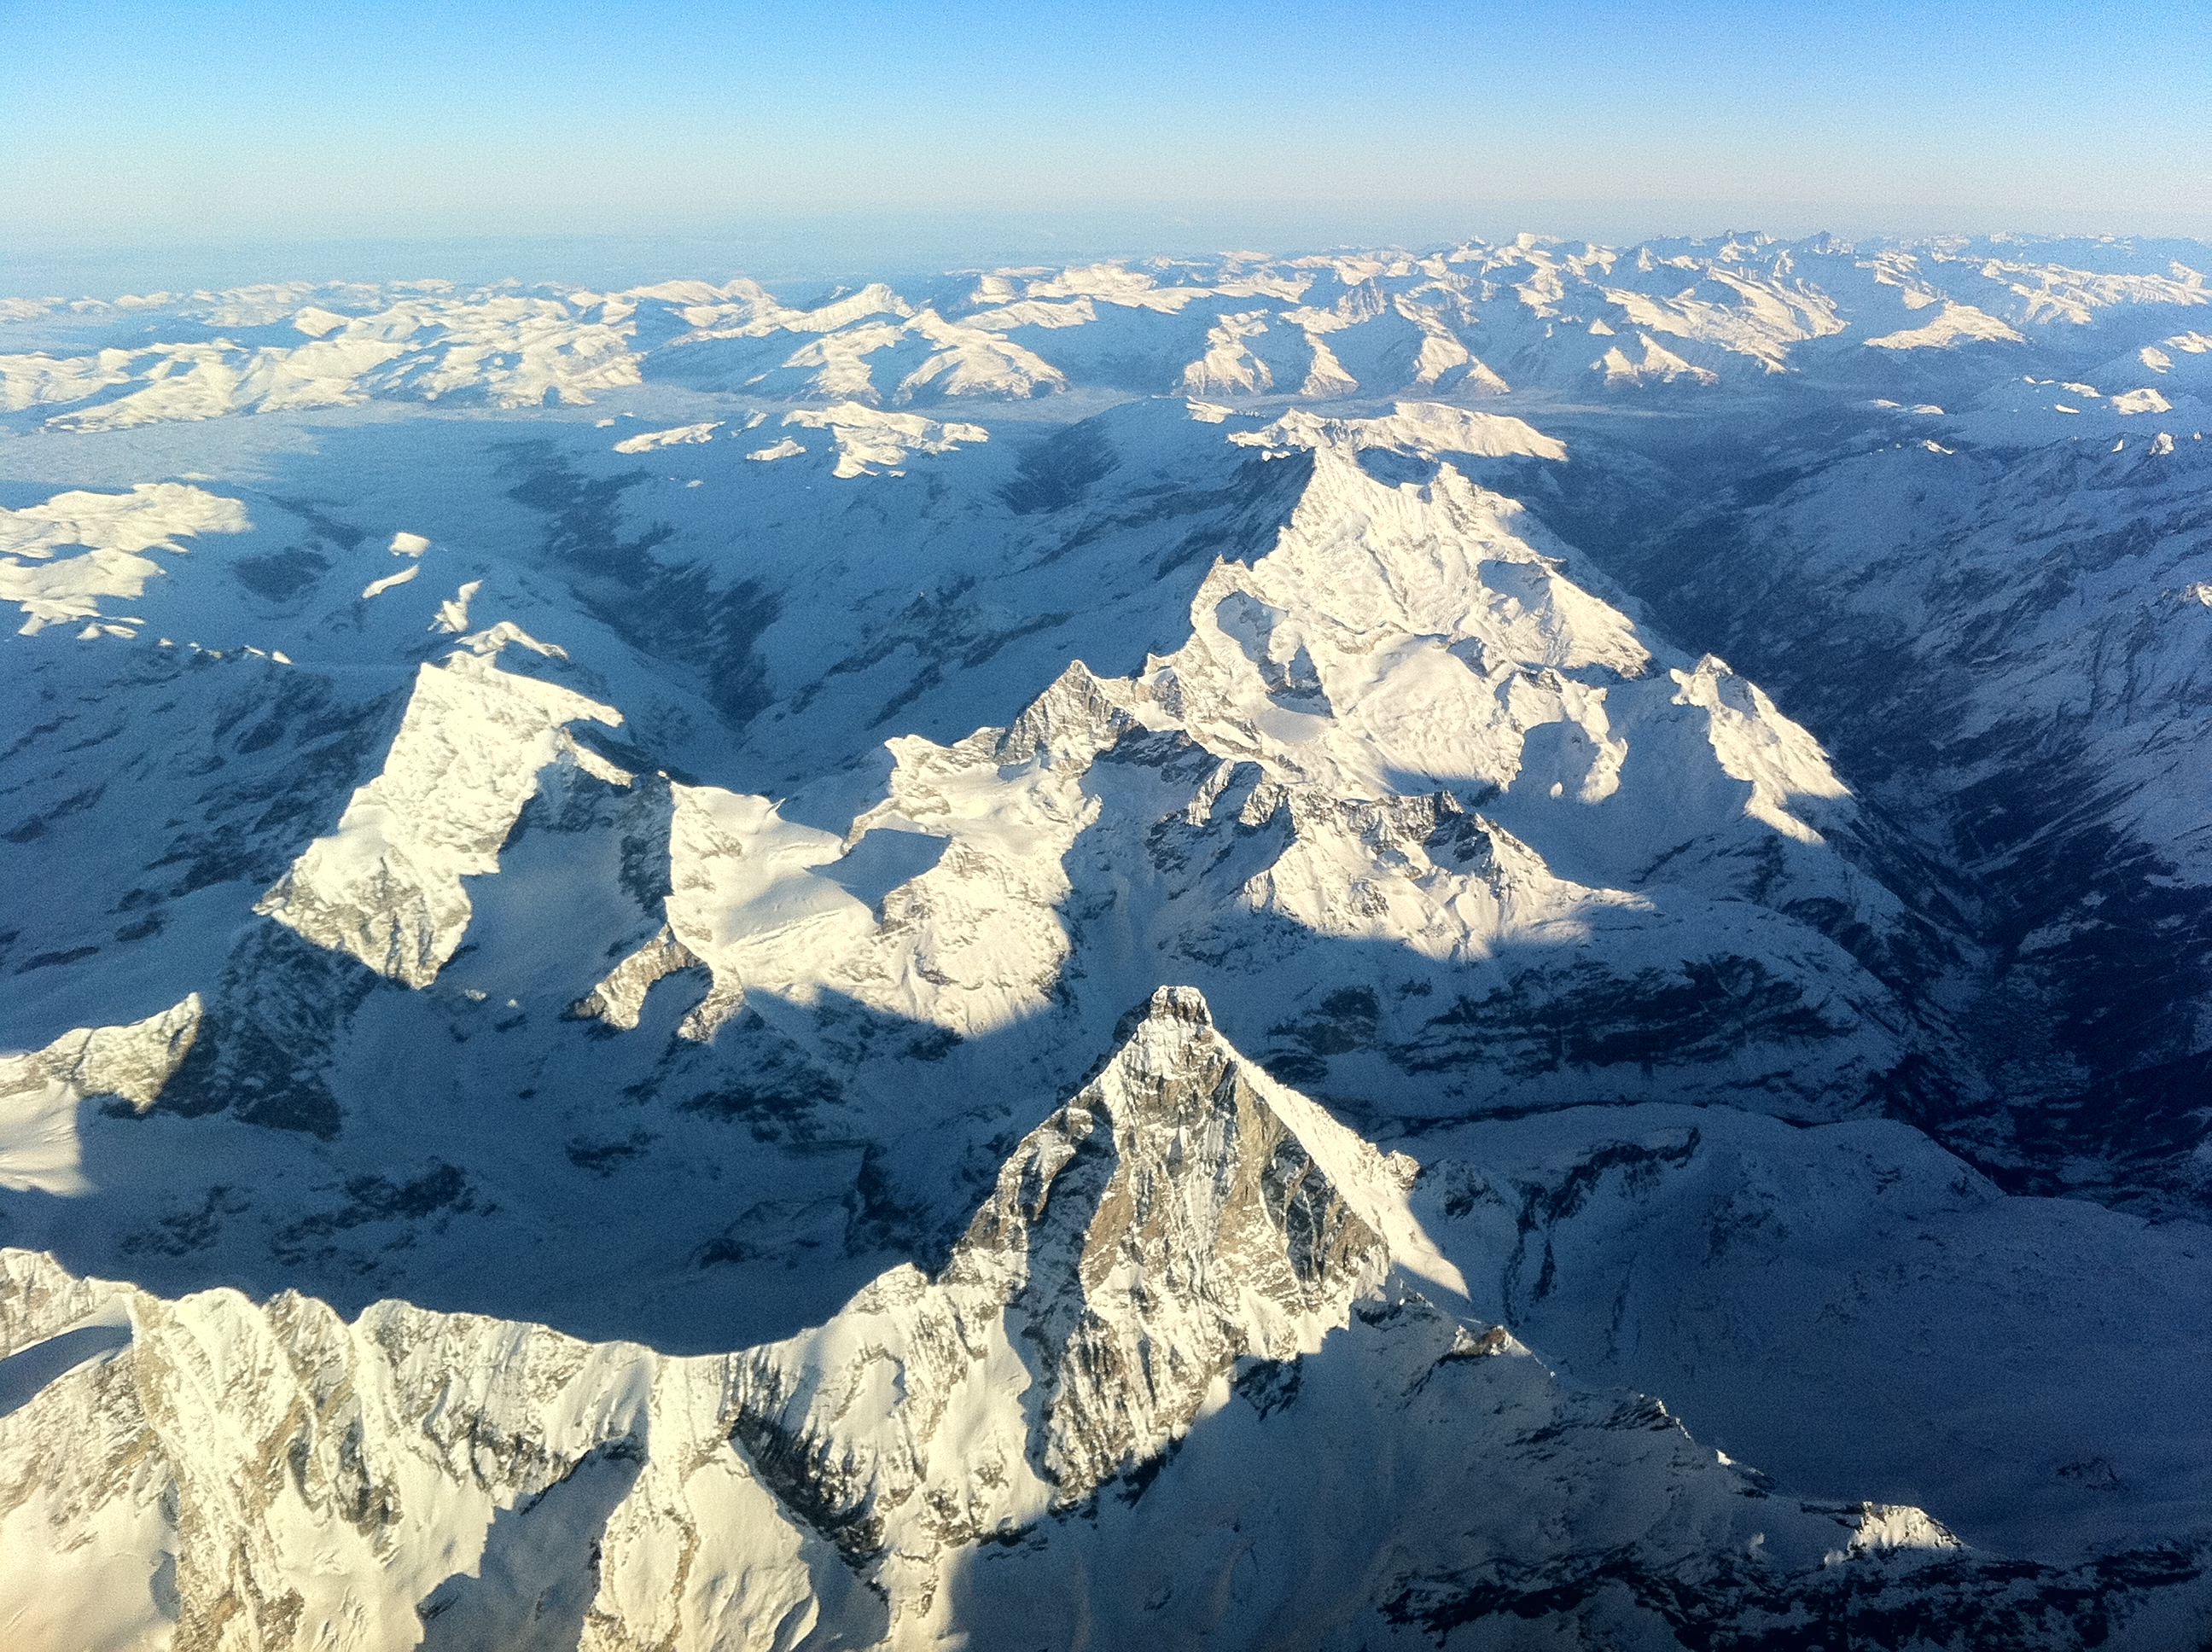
(1267, 951)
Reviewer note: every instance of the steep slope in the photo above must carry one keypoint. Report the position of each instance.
(1998, 632)
(1441, 831)
(1409, 751)
(1192, 1301)
(925, 675)
(387, 885)
(41, 1091)
(1850, 1305)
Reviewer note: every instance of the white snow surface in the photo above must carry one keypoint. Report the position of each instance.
(1229, 365)
(1659, 366)
(385, 885)
(680, 435)
(971, 360)
(511, 350)
(115, 530)
(1426, 429)
(1953, 325)
(870, 440)
(941, 767)
(390, 581)
(1757, 318)
(1185, 1252)
(1326, 328)
(453, 614)
(2145, 400)
(40, 1091)
(1400, 648)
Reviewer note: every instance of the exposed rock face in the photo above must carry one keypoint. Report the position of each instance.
(618, 998)
(1404, 654)
(320, 1482)
(41, 1091)
(959, 728)
(1198, 1226)
(2004, 646)
(132, 1062)
(1182, 1212)
(235, 1476)
(1193, 1305)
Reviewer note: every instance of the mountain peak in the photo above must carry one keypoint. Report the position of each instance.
(1172, 1005)
(1175, 1215)
(1076, 718)
(1180, 1212)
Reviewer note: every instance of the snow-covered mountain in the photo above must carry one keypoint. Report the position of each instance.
(1194, 1373)
(584, 850)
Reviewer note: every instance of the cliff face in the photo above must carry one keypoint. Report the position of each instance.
(568, 964)
(1182, 1212)
(2004, 646)
(1192, 1307)
(211, 1473)
(1406, 793)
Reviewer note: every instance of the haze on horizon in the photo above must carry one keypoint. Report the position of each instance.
(990, 126)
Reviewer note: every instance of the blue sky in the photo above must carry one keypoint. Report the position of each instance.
(128, 122)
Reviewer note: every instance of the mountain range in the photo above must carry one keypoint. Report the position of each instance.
(1269, 952)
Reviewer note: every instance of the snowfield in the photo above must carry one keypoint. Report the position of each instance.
(1473, 947)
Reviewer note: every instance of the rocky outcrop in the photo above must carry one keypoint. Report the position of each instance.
(1451, 835)
(2001, 641)
(1193, 1306)
(40, 1091)
(1181, 1213)
(1256, 809)
(269, 1477)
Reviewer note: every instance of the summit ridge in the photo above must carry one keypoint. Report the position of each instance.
(1271, 950)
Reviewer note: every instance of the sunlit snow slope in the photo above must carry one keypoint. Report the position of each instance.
(578, 862)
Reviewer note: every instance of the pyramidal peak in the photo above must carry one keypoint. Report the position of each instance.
(385, 885)
(1299, 1206)
(560, 1079)
(1189, 1286)
(1180, 1212)
(1182, 1163)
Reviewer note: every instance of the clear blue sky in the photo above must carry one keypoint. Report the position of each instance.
(128, 122)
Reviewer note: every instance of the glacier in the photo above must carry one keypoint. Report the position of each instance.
(1265, 950)
(1190, 1295)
